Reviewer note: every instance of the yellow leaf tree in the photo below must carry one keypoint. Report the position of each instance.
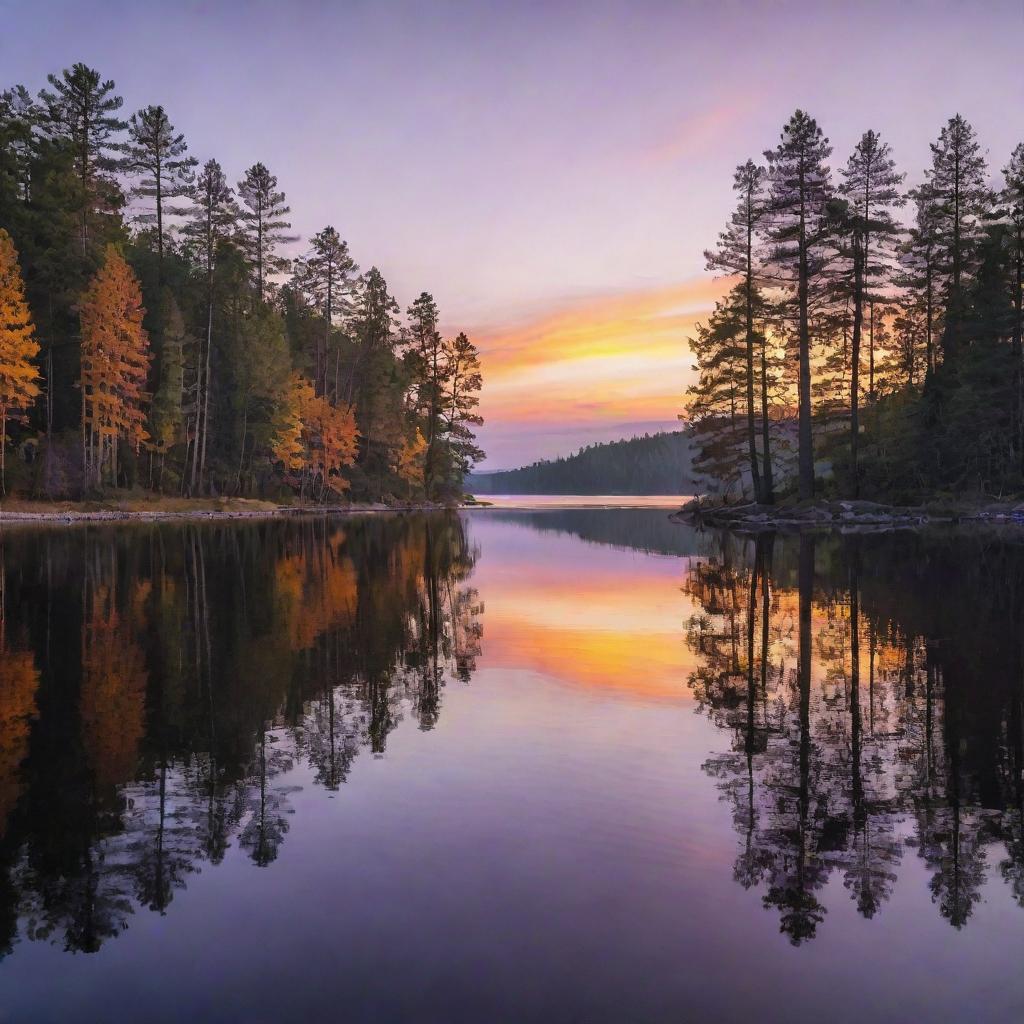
(332, 441)
(115, 364)
(411, 457)
(18, 348)
(314, 437)
(286, 446)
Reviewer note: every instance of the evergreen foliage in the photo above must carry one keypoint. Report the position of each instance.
(651, 464)
(892, 352)
(166, 345)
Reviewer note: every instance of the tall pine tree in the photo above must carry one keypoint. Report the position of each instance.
(82, 109)
(871, 187)
(264, 225)
(425, 353)
(462, 383)
(958, 198)
(211, 223)
(158, 156)
(327, 277)
(735, 256)
(1013, 212)
(798, 230)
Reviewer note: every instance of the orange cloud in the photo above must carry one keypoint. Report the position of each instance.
(620, 357)
(697, 132)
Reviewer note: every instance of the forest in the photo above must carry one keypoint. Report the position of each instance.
(869, 344)
(651, 464)
(155, 336)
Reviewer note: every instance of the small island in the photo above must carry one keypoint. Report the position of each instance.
(864, 368)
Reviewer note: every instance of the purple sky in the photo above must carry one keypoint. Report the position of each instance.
(522, 160)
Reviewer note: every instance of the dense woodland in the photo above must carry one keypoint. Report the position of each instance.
(870, 341)
(154, 334)
(652, 464)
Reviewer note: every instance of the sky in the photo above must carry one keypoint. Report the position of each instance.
(550, 172)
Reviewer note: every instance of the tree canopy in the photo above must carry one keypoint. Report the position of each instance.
(857, 354)
(168, 331)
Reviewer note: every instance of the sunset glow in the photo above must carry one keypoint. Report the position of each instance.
(556, 192)
(592, 369)
(601, 619)
(511, 511)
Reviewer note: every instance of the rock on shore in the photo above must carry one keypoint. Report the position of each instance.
(844, 515)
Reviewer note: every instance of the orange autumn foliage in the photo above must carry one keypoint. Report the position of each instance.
(411, 457)
(19, 680)
(18, 348)
(315, 437)
(287, 446)
(114, 680)
(316, 591)
(115, 364)
(331, 440)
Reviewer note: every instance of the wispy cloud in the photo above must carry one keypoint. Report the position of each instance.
(619, 358)
(697, 132)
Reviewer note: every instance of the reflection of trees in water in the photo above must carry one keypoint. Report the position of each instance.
(630, 529)
(157, 685)
(873, 689)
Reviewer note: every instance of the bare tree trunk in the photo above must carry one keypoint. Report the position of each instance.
(198, 425)
(206, 390)
(159, 224)
(929, 318)
(805, 438)
(48, 461)
(755, 475)
(1018, 355)
(85, 440)
(241, 455)
(858, 318)
(871, 351)
(766, 452)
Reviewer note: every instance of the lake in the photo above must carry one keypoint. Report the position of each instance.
(559, 764)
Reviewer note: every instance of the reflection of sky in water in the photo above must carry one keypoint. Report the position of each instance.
(552, 848)
(559, 501)
(597, 617)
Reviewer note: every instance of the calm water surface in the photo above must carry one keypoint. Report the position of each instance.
(536, 501)
(553, 765)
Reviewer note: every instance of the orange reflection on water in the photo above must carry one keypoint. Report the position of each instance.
(586, 616)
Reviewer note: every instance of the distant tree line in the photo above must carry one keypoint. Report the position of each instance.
(887, 349)
(651, 464)
(153, 333)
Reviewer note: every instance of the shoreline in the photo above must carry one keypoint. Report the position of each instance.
(127, 509)
(205, 510)
(849, 516)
